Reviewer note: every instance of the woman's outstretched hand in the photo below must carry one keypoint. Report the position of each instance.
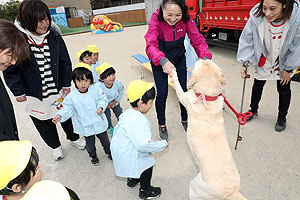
(167, 68)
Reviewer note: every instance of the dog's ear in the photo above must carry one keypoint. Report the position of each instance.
(223, 80)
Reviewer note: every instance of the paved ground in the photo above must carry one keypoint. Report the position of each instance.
(268, 161)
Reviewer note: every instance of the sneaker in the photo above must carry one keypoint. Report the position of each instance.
(163, 133)
(152, 193)
(95, 160)
(280, 125)
(185, 125)
(58, 153)
(132, 182)
(255, 114)
(109, 156)
(80, 143)
(111, 131)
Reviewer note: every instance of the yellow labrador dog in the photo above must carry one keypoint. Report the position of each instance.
(218, 177)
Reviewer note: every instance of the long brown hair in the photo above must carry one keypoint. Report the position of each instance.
(11, 38)
(287, 11)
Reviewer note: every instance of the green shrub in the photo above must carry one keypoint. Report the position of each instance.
(9, 10)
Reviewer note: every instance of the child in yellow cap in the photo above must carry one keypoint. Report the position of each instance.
(114, 91)
(84, 56)
(86, 105)
(95, 60)
(132, 146)
(19, 168)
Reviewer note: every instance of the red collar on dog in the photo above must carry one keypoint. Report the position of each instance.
(208, 98)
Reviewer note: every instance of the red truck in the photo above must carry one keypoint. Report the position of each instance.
(221, 19)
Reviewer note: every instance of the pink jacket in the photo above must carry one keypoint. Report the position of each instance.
(163, 40)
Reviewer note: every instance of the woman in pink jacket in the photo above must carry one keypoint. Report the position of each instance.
(165, 48)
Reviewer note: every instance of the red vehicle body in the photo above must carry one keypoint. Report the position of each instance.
(220, 19)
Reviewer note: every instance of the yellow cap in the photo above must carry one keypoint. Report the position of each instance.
(47, 190)
(137, 89)
(14, 157)
(78, 54)
(84, 65)
(101, 68)
(92, 48)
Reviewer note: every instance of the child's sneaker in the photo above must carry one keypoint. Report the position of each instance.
(109, 156)
(111, 130)
(95, 160)
(132, 182)
(151, 193)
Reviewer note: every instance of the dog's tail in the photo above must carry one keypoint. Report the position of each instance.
(237, 196)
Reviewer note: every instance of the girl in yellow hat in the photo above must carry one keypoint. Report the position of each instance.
(19, 168)
(86, 105)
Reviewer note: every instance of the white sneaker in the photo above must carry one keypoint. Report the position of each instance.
(58, 153)
(80, 143)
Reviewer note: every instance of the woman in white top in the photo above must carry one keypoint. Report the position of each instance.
(271, 42)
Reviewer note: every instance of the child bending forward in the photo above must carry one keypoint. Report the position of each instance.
(131, 145)
(85, 105)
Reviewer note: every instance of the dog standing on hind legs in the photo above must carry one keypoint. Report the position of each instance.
(218, 177)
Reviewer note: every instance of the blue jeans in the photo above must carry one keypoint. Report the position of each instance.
(161, 81)
(117, 111)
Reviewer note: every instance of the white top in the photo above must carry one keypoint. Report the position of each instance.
(268, 65)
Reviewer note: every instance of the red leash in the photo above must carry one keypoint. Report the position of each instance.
(242, 117)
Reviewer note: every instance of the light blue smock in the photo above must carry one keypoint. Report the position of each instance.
(131, 146)
(94, 71)
(114, 93)
(190, 54)
(82, 108)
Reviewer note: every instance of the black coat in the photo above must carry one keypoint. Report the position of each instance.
(26, 79)
(8, 125)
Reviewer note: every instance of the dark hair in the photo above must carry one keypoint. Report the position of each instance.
(80, 73)
(24, 178)
(107, 73)
(31, 12)
(287, 11)
(150, 94)
(84, 54)
(185, 15)
(11, 38)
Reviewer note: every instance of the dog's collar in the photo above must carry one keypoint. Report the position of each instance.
(204, 98)
(207, 98)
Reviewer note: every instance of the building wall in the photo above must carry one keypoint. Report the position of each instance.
(78, 4)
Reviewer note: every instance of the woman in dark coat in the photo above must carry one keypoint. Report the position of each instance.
(13, 48)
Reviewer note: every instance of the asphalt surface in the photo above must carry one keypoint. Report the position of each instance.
(268, 161)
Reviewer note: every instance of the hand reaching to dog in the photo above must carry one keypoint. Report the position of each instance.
(167, 68)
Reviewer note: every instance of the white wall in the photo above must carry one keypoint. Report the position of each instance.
(151, 6)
